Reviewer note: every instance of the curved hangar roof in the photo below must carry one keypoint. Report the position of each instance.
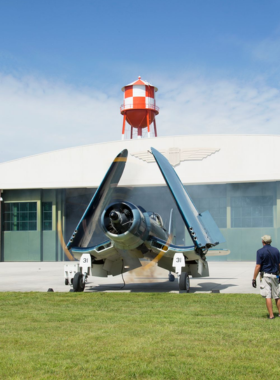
(199, 159)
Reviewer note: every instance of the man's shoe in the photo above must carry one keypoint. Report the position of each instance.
(272, 317)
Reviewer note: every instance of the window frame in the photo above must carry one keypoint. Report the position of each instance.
(20, 216)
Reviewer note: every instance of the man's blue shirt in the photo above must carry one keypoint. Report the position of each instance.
(269, 259)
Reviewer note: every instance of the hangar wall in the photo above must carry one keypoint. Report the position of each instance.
(252, 210)
(29, 233)
(243, 211)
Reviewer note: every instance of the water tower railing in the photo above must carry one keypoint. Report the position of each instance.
(131, 106)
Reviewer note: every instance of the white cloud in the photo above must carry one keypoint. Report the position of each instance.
(37, 115)
(197, 106)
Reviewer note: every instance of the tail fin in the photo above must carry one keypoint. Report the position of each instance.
(172, 227)
(218, 252)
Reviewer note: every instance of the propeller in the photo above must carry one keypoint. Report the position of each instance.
(62, 242)
(160, 254)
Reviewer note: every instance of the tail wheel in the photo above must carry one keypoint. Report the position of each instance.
(78, 283)
(171, 277)
(184, 282)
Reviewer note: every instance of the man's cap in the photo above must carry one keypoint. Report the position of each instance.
(267, 239)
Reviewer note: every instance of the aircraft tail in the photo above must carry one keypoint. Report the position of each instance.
(172, 227)
(218, 252)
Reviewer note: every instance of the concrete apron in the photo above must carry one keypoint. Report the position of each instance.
(225, 277)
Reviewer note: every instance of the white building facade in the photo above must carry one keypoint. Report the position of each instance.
(235, 177)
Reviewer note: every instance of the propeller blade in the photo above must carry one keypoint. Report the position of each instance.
(160, 254)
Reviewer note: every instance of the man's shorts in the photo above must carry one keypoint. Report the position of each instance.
(269, 287)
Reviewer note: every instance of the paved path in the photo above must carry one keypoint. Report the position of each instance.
(226, 277)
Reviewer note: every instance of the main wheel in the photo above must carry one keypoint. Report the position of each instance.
(78, 283)
(184, 282)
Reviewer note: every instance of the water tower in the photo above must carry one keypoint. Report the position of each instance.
(139, 108)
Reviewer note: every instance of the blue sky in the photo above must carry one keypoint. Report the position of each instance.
(63, 63)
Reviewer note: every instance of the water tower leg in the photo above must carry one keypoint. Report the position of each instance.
(131, 131)
(155, 127)
(139, 133)
(123, 128)
(148, 124)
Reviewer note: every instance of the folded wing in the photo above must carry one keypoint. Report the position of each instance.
(201, 227)
(86, 226)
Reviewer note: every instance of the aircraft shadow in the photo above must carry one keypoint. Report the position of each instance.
(156, 287)
(212, 286)
(140, 287)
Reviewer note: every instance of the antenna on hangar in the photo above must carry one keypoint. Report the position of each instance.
(139, 109)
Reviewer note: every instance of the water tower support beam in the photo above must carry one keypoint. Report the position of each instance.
(155, 127)
(148, 124)
(123, 128)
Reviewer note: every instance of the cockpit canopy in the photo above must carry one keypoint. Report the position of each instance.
(156, 217)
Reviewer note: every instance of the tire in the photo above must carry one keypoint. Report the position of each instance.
(78, 283)
(66, 281)
(171, 277)
(184, 282)
(188, 284)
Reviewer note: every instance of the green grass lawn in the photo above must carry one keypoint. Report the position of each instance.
(136, 336)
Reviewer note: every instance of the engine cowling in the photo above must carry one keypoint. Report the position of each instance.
(125, 224)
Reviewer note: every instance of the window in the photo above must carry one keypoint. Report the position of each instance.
(252, 211)
(20, 216)
(47, 216)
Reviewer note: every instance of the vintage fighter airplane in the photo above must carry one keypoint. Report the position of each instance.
(134, 233)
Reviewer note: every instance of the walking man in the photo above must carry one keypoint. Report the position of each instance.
(268, 265)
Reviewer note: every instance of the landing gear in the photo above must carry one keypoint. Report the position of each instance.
(78, 282)
(184, 282)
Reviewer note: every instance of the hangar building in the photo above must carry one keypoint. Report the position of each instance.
(235, 177)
